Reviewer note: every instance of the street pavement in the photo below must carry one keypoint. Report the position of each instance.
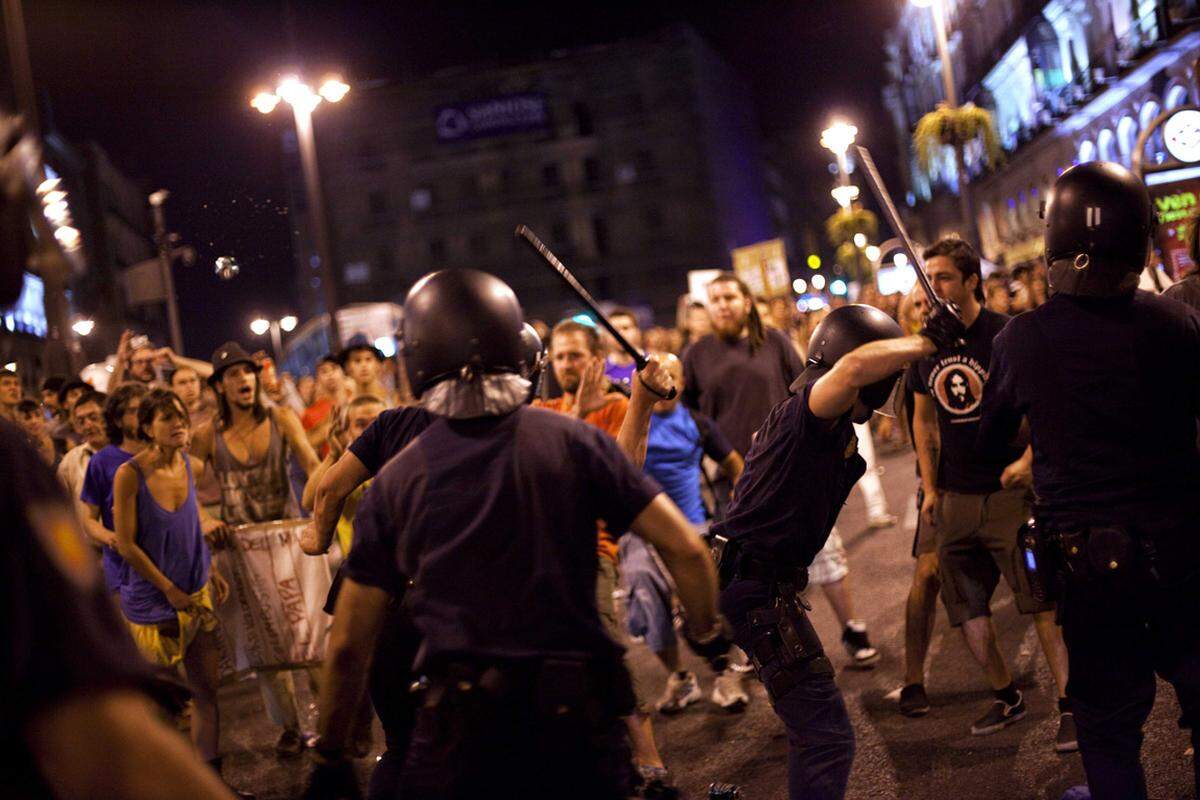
(934, 757)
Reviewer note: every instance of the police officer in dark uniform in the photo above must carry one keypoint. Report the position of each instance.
(1108, 378)
(801, 467)
(77, 718)
(488, 520)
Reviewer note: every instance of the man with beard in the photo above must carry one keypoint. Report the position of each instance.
(135, 360)
(248, 447)
(741, 370)
(975, 505)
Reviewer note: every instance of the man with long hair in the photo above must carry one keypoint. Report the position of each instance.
(741, 370)
(249, 446)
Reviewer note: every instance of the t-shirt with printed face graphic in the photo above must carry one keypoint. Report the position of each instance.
(956, 383)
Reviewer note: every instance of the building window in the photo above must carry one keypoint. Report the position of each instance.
(1127, 132)
(600, 235)
(1087, 151)
(377, 203)
(1176, 96)
(421, 199)
(583, 120)
(1106, 146)
(356, 272)
(591, 171)
(437, 249)
(551, 175)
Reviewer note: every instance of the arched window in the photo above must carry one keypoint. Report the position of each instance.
(1087, 151)
(1106, 146)
(1177, 96)
(1127, 131)
(1154, 151)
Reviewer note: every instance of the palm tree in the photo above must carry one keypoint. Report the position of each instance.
(956, 127)
(841, 228)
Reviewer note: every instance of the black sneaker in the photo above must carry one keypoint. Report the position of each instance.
(1066, 741)
(999, 716)
(859, 647)
(913, 700)
(290, 744)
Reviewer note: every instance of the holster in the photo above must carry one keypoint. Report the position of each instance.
(784, 647)
(1055, 556)
(1041, 561)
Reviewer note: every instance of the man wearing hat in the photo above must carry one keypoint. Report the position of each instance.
(248, 447)
(362, 362)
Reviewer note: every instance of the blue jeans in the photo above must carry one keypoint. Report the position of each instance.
(649, 600)
(820, 737)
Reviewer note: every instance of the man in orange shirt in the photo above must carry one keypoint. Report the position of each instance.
(330, 393)
(577, 358)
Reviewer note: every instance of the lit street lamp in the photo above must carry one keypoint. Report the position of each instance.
(84, 327)
(845, 195)
(304, 99)
(838, 138)
(277, 327)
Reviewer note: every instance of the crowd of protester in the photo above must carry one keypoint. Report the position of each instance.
(175, 452)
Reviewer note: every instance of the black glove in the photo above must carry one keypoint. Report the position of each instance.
(332, 779)
(715, 644)
(944, 327)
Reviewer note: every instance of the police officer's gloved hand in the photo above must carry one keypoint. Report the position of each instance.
(944, 327)
(712, 644)
(332, 778)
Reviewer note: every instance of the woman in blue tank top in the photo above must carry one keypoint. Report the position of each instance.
(168, 597)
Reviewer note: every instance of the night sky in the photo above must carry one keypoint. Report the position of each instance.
(164, 88)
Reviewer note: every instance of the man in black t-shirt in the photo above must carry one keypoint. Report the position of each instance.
(741, 370)
(976, 503)
(487, 521)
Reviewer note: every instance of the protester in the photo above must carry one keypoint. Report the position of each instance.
(330, 392)
(11, 394)
(737, 373)
(1187, 289)
(678, 439)
(619, 365)
(693, 322)
(33, 421)
(87, 420)
(136, 359)
(121, 427)
(363, 363)
(976, 505)
(996, 292)
(248, 447)
(167, 596)
(306, 387)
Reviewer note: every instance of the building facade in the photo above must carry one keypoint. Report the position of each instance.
(635, 162)
(1066, 81)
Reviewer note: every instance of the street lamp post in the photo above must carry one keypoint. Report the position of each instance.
(838, 138)
(164, 259)
(303, 100)
(277, 327)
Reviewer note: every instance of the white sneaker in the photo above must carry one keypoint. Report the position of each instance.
(682, 690)
(728, 690)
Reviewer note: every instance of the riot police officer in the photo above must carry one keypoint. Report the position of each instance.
(802, 465)
(1108, 378)
(488, 521)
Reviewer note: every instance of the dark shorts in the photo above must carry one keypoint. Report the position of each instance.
(925, 535)
(976, 544)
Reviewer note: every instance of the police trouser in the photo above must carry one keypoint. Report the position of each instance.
(802, 690)
(535, 729)
(390, 690)
(1118, 635)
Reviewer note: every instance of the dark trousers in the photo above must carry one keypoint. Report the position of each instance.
(390, 682)
(820, 737)
(506, 737)
(1118, 636)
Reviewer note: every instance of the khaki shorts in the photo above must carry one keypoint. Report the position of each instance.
(977, 543)
(607, 580)
(925, 536)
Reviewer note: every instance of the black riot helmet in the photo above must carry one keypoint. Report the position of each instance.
(1098, 226)
(456, 320)
(843, 330)
(533, 353)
